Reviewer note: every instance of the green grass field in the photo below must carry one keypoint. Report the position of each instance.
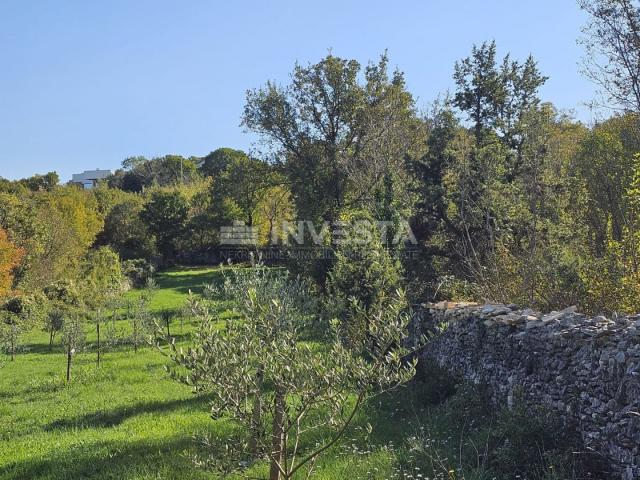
(128, 420)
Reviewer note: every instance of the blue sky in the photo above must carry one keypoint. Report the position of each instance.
(85, 84)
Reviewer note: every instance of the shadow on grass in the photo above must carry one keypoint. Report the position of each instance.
(110, 460)
(42, 348)
(183, 282)
(112, 418)
(177, 333)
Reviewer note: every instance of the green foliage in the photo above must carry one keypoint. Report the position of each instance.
(165, 215)
(216, 162)
(79, 210)
(364, 278)
(125, 232)
(140, 173)
(18, 315)
(273, 209)
(279, 387)
(10, 258)
(63, 292)
(493, 96)
(20, 218)
(512, 212)
(240, 184)
(102, 276)
(141, 320)
(134, 422)
(55, 228)
(337, 138)
(54, 323)
(536, 444)
(138, 271)
(37, 183)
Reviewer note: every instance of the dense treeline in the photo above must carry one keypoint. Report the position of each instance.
(508, 199)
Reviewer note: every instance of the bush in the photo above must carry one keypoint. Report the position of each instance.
(63, 292)
(138, 271)
(363, 279)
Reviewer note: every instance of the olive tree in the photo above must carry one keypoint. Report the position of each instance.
(139, 315)
(10, 330)
(54, 322)
(18, 315)
(73, 338)
(104, 282)
(63, 298)
(257, 370)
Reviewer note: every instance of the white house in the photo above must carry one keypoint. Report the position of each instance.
(89, 178)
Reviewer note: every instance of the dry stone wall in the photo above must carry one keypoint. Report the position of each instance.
(586, 369)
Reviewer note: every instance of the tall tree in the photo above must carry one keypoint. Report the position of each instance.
(103, 281)
(336, 138)
(138, 173)
(481, 88)
(125, 232)
(10, 257)
(604, 168)
(19, 218)
(214, 163)
(495, 97)
(612, 43)
(45, 182)
(166, 216)
(243, 181)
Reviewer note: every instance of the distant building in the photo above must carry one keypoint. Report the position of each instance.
(89, 178)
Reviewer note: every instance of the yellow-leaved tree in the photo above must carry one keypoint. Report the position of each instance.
(10, 256)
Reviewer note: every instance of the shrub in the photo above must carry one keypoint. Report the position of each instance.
(63, 292)
(363, 279)
(138, 271)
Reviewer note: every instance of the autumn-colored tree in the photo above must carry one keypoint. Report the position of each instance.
(274, 208)
(10, 256)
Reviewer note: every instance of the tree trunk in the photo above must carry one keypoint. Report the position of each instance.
(277, 436)
(256, 416)
(69, 354)
(98, 333)
(135, 336)
(13, 342)
(51, 340)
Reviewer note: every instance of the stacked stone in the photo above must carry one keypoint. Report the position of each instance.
(587, 369)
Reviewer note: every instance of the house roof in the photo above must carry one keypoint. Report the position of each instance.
(90, 175)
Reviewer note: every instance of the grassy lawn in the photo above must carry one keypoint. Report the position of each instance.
(128, 420)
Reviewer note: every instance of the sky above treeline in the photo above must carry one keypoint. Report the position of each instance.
(84, 85)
